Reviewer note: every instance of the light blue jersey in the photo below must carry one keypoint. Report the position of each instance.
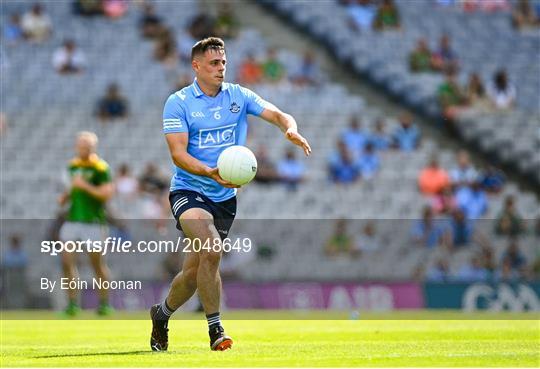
(213, 124)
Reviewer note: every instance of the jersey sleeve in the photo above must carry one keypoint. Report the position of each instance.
(255, 104)
(103, 174)
(174, 116)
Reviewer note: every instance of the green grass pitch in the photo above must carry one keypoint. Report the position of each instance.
(276, 339)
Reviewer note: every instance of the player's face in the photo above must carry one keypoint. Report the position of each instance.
(84, 147)
(210, 68)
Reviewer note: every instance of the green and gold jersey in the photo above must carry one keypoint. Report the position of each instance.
(84, 207)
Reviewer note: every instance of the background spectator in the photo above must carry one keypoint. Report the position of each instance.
(250, 71)
(476, 93)
(452, 98)
(488, 259)
(126, 185)
(445, 59)
(202, 26)
(226, 22)
(474, 271)
(492, 179)
(428, 232)
(165, 47)
(485, 5)
(361, 14)
(368, 241)
(472, 200)
(12, 31)
(501, 92)
(152, 180)
(340, 242)
(523, 15)
(115, 8)
(291, 170)
(343, 166)
(266, 170)
(444, 202)
(354, 137)
(273, 70)
(15, 257)
(406, 136)
(379, 138)
(509, 222)
(308, 73)
(369, 162)
(446, 3)
(461, 229)
(513, 263)
(36, 24)
(440, 272)
(14, 266)
(112, 105)
(464, 174)
(68, 59)
(387, 16)
(433, 179)
(421, 57)
(88, 7)
(149, 23)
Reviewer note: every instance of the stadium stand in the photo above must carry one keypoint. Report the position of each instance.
(383, 58)
(46, 110)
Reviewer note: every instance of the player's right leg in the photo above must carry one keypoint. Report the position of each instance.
(70, 231)
(198, 225)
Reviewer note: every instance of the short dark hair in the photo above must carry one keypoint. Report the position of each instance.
(209, 43)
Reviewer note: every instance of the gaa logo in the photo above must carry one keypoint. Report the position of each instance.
(217, 137)
(197, 114)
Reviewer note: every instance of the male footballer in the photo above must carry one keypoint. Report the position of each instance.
(199, 122)
(90, 189)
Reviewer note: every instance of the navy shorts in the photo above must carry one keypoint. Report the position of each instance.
(223, 212)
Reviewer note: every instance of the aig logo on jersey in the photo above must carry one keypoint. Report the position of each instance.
(217, 137)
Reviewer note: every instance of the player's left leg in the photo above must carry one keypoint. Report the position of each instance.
(182, 288)
(70, 271)
(101, 271)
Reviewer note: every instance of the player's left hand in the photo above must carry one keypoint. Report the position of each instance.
(79, 182)
(297, 139)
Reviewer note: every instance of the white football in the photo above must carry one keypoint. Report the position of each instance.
(237, 164)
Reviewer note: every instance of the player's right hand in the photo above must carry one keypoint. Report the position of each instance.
(214, 174)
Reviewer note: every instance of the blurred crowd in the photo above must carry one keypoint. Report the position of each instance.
(383, 15)
(497, 94)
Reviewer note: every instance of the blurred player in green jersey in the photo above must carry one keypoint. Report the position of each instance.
(90, 188)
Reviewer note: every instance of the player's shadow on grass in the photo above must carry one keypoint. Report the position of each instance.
(95, 354)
